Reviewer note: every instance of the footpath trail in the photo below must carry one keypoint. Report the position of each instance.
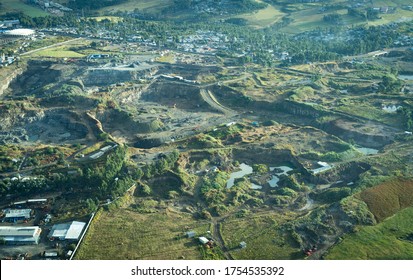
(218, 238)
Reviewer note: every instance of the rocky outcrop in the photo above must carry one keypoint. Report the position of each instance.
(106, 77)
(6, 82)
(369, 135)
(348, 172)
(301, 109)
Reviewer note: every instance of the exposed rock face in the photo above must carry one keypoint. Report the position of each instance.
(105, 77)
(301, 109)
(6, 82)
(52, 126)
(369, 135)
(182, 96)
(349, 172)
(147, 143)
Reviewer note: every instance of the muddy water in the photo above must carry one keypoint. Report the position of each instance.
(245, 170)
(275, 178)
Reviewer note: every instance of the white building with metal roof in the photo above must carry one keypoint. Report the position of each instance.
(17, 214)
(20, 32)
(70, 231)
(20, 235)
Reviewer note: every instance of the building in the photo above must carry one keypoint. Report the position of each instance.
(70, 231)
(20, 32)
(20, 235)
(37, 200)
(10, 23)
(190, 234)
(203, 240)
(51, 254)
(14, 215)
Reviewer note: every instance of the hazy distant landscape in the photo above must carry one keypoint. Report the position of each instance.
(217, 129)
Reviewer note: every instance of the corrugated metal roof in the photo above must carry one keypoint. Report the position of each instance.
(19, 231)
(75, 230)
(37, 200)
(17, 213)
(67, 231)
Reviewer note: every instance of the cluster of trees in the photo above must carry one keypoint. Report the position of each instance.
(162, 164)
(390, 85)
(232, 6)
(333, 18)
(367, 14)
(93, 4)
(109, 178)
(408, 117)
(24, 186)
(101, 180)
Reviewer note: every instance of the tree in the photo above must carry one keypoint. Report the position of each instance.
(91, 205)
(103, 136)
(183, 4)
(390, 85)
(145, 190)
(372, 14)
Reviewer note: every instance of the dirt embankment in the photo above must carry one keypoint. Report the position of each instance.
(300, 109)
(46, 126)
(5, 83)
(121, 124)
(108, 76)
(179, 95)
(348, 172)
(256, 154)
(370, 134)
(39, 74)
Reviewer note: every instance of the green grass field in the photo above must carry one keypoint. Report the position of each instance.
(125, 234)
(20, 6)
(365, 109)
(148, 6)
(60, 52)
(112, 19)
(263, 235)
(391, 239)
(264, 17)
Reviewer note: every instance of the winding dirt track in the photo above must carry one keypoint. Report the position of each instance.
(209, 98)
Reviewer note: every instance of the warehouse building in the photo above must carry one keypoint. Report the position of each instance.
(20, 235)
(70, 231)
(14, 215)
(20, 32)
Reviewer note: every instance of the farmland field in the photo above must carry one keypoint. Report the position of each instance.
(18, 5)
(58, 53)
(149, 6)
(387, 198)
(125, 234)
(391, 239)
(263, 235)
(264, 17)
